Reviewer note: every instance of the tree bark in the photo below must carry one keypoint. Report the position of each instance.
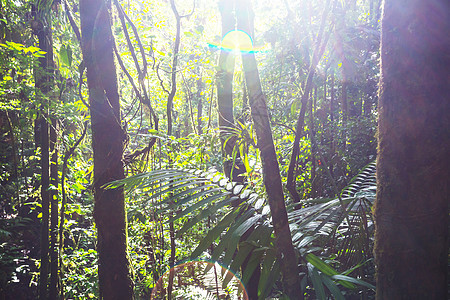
(271, 171)
(107, 141)
(43, 86)
(54, 261)
(225, 73)
(411, 210)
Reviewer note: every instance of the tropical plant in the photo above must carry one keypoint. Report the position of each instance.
(331, 250)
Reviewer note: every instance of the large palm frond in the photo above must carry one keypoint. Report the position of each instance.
(319, 225)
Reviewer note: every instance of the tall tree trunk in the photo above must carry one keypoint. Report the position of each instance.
(232, 168)
(411, 209)
(43, 85)
(107, 141)
(271, 171)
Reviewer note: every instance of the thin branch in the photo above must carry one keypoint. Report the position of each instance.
(68, 154)
(81, 68)
(122, 17)
(318, 52)
(72, 22)
(189, 98)
(161, 82)
(176, 49)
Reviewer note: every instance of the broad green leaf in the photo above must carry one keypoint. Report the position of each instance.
(214, 233)
(258, 239)
(253, 262)
(332, 287)
(203, 214)
(325, 268)
(236, 235)
(266, 269)
(64, 55)
(197, 205)
(317, 282)
(274, 275)
(348, 279)
(227, 242)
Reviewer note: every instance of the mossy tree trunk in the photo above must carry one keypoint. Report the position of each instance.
(107, 141)
(411, 210)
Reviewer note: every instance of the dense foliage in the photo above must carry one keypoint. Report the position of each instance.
(180, 205)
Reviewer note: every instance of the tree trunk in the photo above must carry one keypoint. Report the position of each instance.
(312, 132)
(411, 210)
(199, 105)
(332, 125)
(344, 105)
(107, 141)
(43, 85)
(225, 97)
(176, 49)
(54, 261)
(271, 171)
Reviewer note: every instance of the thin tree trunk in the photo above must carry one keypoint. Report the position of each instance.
(332, 139)
(107, 142)
(313, 144)
(169, 132)
(199, 106)
(344, 105)
(62, 216)
(45, 195)
(318, 52)
(14, 156)
(411, 209)
(54, 265)
(176, 49)
(271, 171)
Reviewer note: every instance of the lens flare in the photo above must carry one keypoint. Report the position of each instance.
(237, 41)
(200, 280)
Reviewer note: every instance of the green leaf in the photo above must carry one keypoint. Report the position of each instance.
(229, 241)
(203, 214)
(214, 233)
(259, 239)
(317, 282)
(203, 192)
(64, 56)
(274, 275)
(326, 269)
(332, 287)
(199, 204)
(253, 262)
(348, 279)
(269, 260)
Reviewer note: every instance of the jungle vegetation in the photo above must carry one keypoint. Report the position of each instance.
(227, 149)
